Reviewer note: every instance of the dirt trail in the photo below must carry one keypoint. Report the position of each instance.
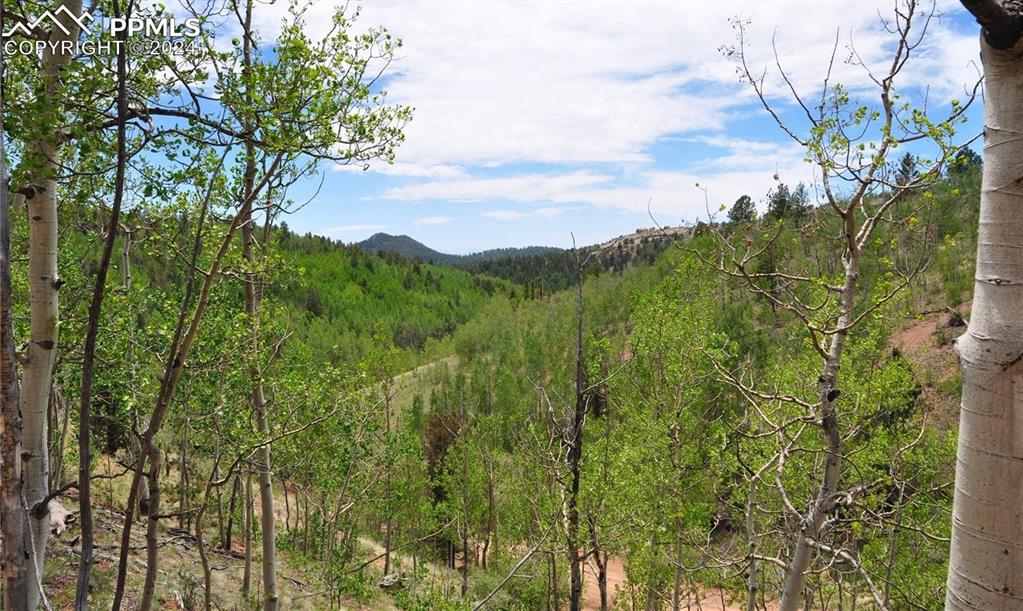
(710, 599)
(449, 361)
(407, 384)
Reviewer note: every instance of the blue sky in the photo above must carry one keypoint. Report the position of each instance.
(537, 120)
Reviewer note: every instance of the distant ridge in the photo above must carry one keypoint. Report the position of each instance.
(413, 249)
(404, 246)
(541, 269)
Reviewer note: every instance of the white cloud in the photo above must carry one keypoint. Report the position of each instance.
(409, 170)
(742, 167)
(675, 197)
(735, 154)
(523, 188)
(574, 82)
(539, 108)
(504, 215)
(672, 196)
(433, 220)
(515, 215)
(550, 213)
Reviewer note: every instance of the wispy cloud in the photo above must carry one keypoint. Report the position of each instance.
(504, 215)
(550, 213)
(433, 220)
(515, 215)
(408, 170)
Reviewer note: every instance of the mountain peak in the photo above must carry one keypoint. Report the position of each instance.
(410, 248)
(404, 246)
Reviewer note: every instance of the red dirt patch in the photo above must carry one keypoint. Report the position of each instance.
(710, 599)
(927, 345)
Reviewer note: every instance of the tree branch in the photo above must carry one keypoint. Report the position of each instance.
(1002, 29)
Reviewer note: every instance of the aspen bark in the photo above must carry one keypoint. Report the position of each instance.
(207, 571)
(676, 591)
(227, 529)
(92, 331)
(247, 537)
(491, 514)
(555, 597)
(184, 484)
(388, 486)
(600, 558)
(44, 283)
(751, 535)
(152, 531)
(252, 307)
(287, 507)
(465, 507)
(574, 440)
(266, 502)
(795, 574)
(986, 560)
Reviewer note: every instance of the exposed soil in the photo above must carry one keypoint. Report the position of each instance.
(707, 599)
(927, 345)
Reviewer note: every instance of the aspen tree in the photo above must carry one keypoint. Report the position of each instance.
(986, 557)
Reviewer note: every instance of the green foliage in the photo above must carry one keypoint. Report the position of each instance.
(340, 297)
(906, 172)
(784, 204)
(743, 211)
(666, 461)
(412, 249)
(667, 464)
(549, 272)
(965, 162)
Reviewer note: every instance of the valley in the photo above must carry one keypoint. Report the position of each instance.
(793, 386)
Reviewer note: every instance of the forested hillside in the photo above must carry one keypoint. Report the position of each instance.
(659, 342)
(541, 270)
(805, 399)
(411, 249)
(547, 273)
(349, 298)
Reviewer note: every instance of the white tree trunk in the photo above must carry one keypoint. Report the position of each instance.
(795, 574)
(43, 285)
(247, 538)
(266, 503)
(986, 560)
(36, 376)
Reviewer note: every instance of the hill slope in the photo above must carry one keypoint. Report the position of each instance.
(348, 299)
(542, 269)
(413, 249)
(404, 246)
